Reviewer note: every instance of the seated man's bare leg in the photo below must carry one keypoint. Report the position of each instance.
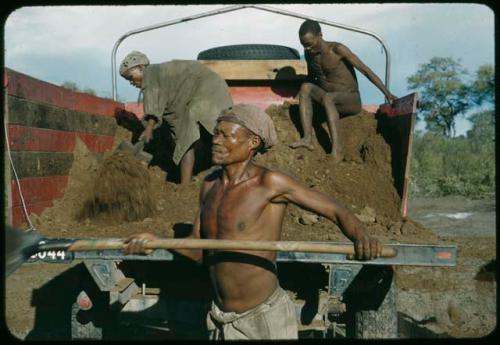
(339, 104)
(332, 116)
(187, 165)
(308, 93)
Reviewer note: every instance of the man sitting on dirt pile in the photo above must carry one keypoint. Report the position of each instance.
(331, 81)
(244, 201)
(185, 94)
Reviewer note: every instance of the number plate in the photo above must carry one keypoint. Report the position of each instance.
(52, 256)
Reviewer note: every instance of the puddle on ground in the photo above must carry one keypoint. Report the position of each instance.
(456, 215)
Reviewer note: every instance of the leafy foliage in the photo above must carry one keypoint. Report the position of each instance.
(483, 88)
(74, 87)
(461, 165)
(443, 94)
(465, 165)
(70, 85)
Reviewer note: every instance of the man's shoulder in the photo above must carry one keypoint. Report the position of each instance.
(338, 48)
(209, 180)
(333, 45)
(271, 177)
(214, 174)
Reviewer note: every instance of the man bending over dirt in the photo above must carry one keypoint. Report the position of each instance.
(331, 81)
(185, 94)
(244, 201)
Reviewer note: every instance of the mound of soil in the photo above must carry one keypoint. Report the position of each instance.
(362, 181)
(121, 190)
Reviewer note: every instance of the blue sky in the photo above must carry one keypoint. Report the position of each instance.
(74, 43)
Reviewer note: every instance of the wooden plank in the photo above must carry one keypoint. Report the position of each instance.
(40, 164)
(258, 69)
(38, 189)
(22, 138)
(401, 106)
(26, 113)
(97, 143)
(397, 122)
(407, 168)
(260, 96)
(24, 86)
(136, 108)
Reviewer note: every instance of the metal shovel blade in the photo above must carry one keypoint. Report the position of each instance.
(136, 150)
(19, 246)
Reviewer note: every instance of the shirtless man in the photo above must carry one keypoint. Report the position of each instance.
(244, 201)
(331, 81)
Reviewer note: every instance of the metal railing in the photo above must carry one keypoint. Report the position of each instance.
(236, 8)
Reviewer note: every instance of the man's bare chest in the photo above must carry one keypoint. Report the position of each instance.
(327, 62)
(231, 212)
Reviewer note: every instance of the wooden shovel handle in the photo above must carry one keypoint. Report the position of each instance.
(175, 243)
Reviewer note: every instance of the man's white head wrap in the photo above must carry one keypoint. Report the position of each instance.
(133, 59)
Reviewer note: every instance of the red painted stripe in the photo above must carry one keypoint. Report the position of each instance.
(444, 255)
(27, 87)
(260, 96)
(38, 189)
(18, 217)
(22, 138)
(97, 143)
(403, 109)
(135, 108)
(371, 108)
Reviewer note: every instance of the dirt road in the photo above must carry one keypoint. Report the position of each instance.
(452, 302)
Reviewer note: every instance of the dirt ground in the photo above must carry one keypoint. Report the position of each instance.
(459, 301)
(432, 302)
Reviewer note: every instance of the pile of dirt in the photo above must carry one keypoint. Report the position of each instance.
(362, 181)
(121, 191)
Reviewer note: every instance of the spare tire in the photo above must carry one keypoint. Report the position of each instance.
(250, 52)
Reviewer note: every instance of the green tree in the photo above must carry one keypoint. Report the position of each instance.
(90, 91)
(74, 87)
(454, 165)
(483, 87)
(443, 94)
(70, 85)
(483, 127)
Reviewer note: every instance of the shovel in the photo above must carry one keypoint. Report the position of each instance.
(21, 245)
(136, 150)
(129, 120)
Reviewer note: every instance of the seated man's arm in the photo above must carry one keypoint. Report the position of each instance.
(354, 60)
(287, 189)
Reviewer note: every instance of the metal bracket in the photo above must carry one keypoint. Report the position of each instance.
(105, 273)
(341, 277)
(123, 291)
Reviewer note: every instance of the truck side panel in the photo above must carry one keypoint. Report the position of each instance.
(43, 122)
